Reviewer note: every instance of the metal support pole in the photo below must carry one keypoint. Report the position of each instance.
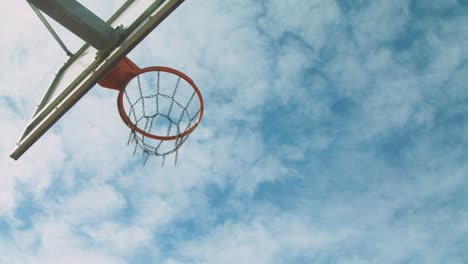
(79, 20)
(51, 30)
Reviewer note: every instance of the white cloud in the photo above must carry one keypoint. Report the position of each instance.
(52, 242)
(312, 21)
(269, 237)
(120, 240)
(379, 23)
(7, 196)
(94, 203)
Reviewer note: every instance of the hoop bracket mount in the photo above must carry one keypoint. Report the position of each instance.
(117, 77)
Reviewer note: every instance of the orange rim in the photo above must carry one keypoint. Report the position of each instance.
(133, 126)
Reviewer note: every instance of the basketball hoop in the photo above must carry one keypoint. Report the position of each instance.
(160, 120)
(157, 104)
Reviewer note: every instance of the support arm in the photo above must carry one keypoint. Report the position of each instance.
(79, 20)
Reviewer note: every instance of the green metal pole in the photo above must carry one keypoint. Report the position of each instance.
(80, 21)
(51, 30)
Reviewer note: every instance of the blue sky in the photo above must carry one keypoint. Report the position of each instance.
(334, 132)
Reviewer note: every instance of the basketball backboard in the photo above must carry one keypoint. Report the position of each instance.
(133, 22)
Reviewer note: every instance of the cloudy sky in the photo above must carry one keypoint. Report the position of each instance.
(334, 132)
